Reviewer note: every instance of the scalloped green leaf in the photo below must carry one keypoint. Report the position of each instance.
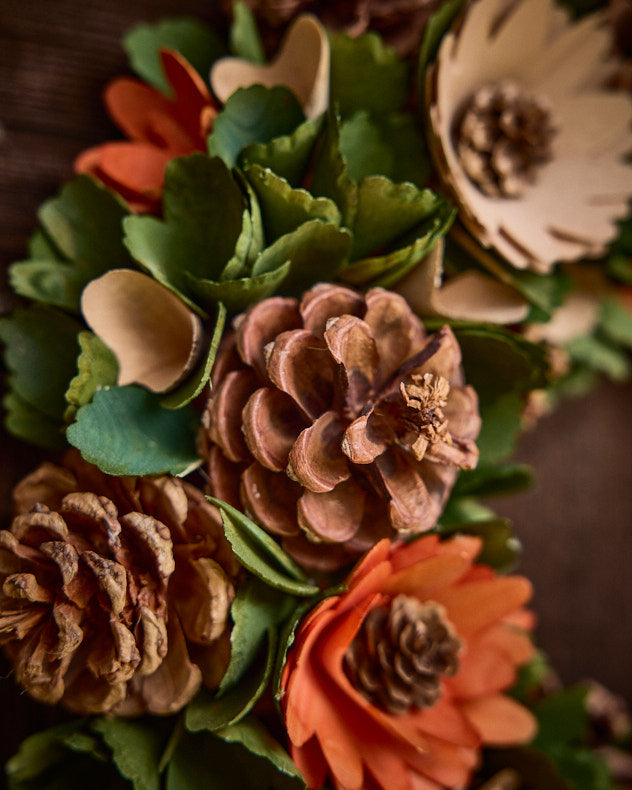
(40, 354)
(136, 750)
(288, 155)
(195, 383)
(193, 39)
(317, 251)
(330, 178)
(52, 282)
(256, 609)
(96, 367)
(39, 752)
(245, 41)
(251, 734)
(23, 420)
(240, 293)
(366, 74)
(203, 208)
(125, 431)
(284, 208)
(253, 115)
(210, 713)
(40, 247)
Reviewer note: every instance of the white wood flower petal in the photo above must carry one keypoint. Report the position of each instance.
(303, 65)
(154, 336)
(572, 208)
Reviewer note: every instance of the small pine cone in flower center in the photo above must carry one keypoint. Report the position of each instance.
(502, 136)
(401, 652)
(337, 421)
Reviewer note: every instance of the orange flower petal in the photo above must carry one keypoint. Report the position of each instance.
(500, 720)
(423, 580)
(418, 550)
(446, 764)
(131, 104)
(310, 762)
(444, 720)
(138, 167)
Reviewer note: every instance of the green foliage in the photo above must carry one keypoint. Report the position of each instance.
(80, 240)
(256, 738)
(245, 41)
(595, 353)
(436, 28)
(288, 155)
(125, 431)
(200, 45)
(366, 75)
(253, 115)
(96, 367)
(490, 480)
(136, 749)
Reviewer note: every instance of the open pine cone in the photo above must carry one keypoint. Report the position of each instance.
(115, 592)
(337, 421)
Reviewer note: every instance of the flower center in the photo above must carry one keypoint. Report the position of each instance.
(400, 653)
(502, 136)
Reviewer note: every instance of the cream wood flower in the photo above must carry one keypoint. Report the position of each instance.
(569, 203)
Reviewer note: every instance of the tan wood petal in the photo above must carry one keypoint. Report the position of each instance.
(156, 339)
(302, 65)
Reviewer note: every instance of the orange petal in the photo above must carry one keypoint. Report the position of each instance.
(429, 576)
(137, 167)
(446, 721)
(310, 762)
(192, 97)
(131, 104)
(445, 763)
(500, 720)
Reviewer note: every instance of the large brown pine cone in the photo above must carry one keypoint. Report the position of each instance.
(115, 591)
(399, 22)
(337, 421)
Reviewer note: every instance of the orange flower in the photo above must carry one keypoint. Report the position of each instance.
(348, 682)
(159, 129)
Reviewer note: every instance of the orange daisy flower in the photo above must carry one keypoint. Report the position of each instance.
(159, 129)
(398, 681)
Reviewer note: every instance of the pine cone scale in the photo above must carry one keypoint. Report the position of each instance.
(316, 460)
(270, 424)
(271, 499)
(334, 516)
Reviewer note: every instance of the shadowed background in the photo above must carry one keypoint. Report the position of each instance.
(575, 525)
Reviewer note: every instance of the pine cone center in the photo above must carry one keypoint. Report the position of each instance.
(400, 654)
(502, 136)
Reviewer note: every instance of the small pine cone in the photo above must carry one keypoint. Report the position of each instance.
(502, 137)
(115, 592)
(400, 22)
(400, 654)
(336, 421)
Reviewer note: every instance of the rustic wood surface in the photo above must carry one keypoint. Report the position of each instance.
(576, 524)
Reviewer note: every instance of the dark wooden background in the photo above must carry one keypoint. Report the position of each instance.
(576, 524)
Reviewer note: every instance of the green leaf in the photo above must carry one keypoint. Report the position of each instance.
(253, 115)
(288, 155)
(582, 767)
(96, 367)
(616, 323)
(317, 251)
(502, 424)
(41, 247)
(52, 282)
(283, 208)
(208, 712)
(562, 716)
(287, 635)
(490, 480)
(599, 355)
(124, 431)
(530, 678)
(195, 383)
(40, 355)
(411, 161)
(23, 420)
(239, 294)
(190, 37)
(436, 28)
(203, 208)
(249, 732)
(136, 750)
(245, 41)
(256, 609)
(364, 149)
(501, 548)
(39, 752)
(366, 75)
(204, 762)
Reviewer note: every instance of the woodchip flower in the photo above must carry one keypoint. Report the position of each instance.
(159, 129)
(398, 681)
(115, 592)
(526, 137)
(337, 421)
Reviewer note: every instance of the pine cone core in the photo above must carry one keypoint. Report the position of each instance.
(502, 136)
(400, 653)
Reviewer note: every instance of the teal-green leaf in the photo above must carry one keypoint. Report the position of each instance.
(208, 712)
(502, 424)
(27, 422)
(317, 251)
(330, 178)
(366, 75)
(251, 733)
(239, 294)
(39, 752)
(40, 355)
(190, 37)
(195, 383)
(288, 155)
(125, 431)
(283, 208)
(136, 750)
(203, 207)
(253, 115)
(96, 367)
(245, 41)
(52, 282)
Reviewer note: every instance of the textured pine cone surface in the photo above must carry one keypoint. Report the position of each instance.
(116, 592)
(337, 421)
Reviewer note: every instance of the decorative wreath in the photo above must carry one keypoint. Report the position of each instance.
(279, 341)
